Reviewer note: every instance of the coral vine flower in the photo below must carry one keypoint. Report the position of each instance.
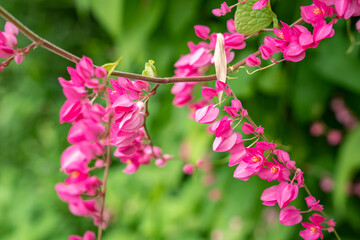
(202, 31)
(223, 10)
(87, 236)
(207, 114)
(314, 229)
(260, 4)
(282, 194)
(252, 61)
(290, 215)
(313, 204)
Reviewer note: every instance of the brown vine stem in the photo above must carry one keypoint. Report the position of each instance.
(71, 57)
(107, 166)
(151, 93)
(23, 51)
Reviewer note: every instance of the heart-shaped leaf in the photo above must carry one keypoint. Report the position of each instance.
(248, 20)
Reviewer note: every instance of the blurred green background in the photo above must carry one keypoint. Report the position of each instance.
(163, 203)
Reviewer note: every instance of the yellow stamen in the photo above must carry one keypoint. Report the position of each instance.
(313, 230)
(274, 170)
(317, 11)
(74, 174)
(128, 162)
(281, 35)
(256, 159)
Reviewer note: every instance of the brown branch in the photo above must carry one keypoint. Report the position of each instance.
(71, 57)
(107, 164)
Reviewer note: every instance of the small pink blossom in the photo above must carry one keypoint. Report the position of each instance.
(188, 169)
(88, 236)
(331, 223)
(317, 129)
(260, 4)
(313, 204)
(202, 31)
(247, 128)
(230, 24)
(222, 128)
(207, 114)
(224, 144)
(287, 192)
(208, 93)
(334, 137)
(223, 10)
(290, 215)
(252, 61)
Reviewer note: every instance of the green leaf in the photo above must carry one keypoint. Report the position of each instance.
(348, 163)
(110, 67)
(150, 69)
(248, 21)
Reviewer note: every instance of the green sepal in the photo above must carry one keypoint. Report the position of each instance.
(110, 67)
(150, 69)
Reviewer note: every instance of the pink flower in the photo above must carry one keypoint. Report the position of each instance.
(270, 196)
(207, 114)
(334, 137)
(88, 236)
(346, 8)
(222, 128)
(282, 194)
(208, 92)
(274, 171)
(317, 129)
(266, 52)
(70, 111)
(234, 109)
(223, 144)
(202, 31)
(243, 171)
(252, 61)
(316, 12)
(290, 215)
(260, 4)
(255, 159)
(238, 152)
(331, 223)
(188, 169)
(235, 41)
(73, 159)
(230, 24)
(358, 25)
(313, 204)
(224, 9)
(323, 30)
(287, 192)
(247, 128)
(313, 230)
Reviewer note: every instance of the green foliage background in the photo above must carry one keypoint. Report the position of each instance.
(158, 203)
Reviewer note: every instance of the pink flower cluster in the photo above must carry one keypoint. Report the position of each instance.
(293, 41)
(201, 58)
(259, 158)
(120, 124)
(8, 43)
(87, 136)
(127, 132)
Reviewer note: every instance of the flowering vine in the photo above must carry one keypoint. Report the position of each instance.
(108, 116)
